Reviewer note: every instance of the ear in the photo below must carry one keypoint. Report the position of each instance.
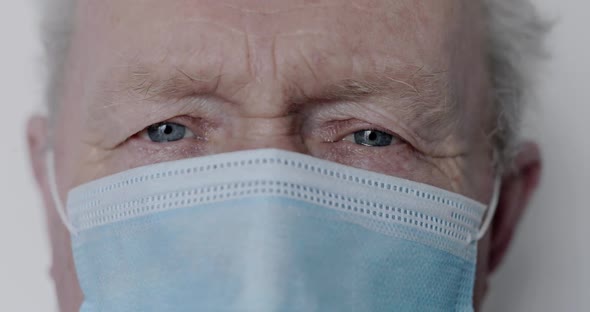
(62, 269)
(37, 139)
(518, 185)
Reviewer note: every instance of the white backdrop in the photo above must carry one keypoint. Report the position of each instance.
(548, 268)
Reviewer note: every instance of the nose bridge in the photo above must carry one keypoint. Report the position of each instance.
(266, 132)
(291, 145)
(264, 116)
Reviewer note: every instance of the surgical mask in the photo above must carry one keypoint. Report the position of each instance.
(271, 230)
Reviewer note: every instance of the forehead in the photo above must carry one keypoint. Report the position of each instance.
(403, 31)
(281, 44)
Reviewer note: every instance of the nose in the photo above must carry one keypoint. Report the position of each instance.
(258, 133)
(290, 143)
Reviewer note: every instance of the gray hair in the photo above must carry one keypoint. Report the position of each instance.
(516, 46)
(515, 38)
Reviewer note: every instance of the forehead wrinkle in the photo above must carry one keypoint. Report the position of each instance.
(363, 8)
(206, 21)
(263, 20)
(267, 11)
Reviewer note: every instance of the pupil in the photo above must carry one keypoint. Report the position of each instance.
(167, 129)
(372, 136)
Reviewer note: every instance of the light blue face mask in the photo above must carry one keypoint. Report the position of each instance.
(271, 230)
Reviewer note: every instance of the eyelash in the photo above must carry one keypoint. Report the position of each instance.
(188, 122)
(337, 131)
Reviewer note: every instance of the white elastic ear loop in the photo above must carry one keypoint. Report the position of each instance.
(491, 211)
(50, 167)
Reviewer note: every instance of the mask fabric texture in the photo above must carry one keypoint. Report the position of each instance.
(270, 230)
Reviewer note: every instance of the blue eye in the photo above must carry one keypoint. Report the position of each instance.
(373, 138)
(167, 132)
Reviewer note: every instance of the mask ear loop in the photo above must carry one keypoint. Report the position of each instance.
(51, 176)
(491, 211)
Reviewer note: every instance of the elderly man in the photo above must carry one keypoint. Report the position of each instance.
(285, 155)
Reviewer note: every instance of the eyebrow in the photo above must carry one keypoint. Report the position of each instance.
(151, 84)
(418, 94)
(407, 84)
(414, 92)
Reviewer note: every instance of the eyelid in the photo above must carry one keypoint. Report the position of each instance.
(194, 128)
(396, 140)
(189, 134)
(337, 130)
(372, 115)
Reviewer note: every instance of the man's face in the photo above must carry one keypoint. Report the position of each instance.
(301, 75)
(296, 75)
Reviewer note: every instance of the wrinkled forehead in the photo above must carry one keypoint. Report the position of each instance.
(420, 33)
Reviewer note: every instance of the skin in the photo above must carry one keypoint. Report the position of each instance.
(297, 75)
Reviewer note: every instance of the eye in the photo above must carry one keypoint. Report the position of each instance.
(372, 138)
(167, 132)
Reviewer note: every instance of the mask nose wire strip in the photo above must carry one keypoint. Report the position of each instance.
(51, 176)
(491, 209)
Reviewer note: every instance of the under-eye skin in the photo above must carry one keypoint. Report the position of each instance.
(163, 132)
(372, 138)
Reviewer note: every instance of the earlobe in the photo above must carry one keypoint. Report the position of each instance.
(518, 185)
